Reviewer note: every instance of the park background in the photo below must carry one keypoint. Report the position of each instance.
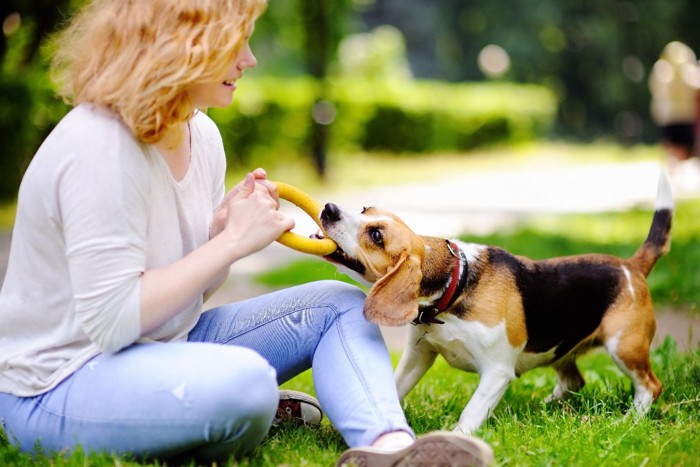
(348, 76)
(390, 102)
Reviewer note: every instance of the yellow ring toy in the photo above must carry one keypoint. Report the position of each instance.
(310, 206)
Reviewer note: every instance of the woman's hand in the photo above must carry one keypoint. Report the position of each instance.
(253, 220)
(221, 215)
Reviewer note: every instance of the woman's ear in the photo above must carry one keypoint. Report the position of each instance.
(393, 300)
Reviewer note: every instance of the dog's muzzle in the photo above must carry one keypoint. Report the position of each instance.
(330, 213)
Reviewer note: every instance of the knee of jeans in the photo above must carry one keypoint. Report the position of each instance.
(343, 297)
(242, 409)
(244, 389)
(343, 303)
(237, 403)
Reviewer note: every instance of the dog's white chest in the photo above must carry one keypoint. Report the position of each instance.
(467, 345)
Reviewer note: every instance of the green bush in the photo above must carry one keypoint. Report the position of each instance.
(16, 137)
(28, 112)
(272, 116)
(428, 116)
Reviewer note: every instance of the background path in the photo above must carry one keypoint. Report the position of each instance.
(481, 202)
(485, 201)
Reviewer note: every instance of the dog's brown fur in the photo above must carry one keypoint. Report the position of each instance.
(514, 313)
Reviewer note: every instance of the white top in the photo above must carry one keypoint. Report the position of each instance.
(96, 209)
(673, 89)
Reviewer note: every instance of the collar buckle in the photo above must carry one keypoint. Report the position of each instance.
(427, 315)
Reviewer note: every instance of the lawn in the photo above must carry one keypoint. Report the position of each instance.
(589, 429)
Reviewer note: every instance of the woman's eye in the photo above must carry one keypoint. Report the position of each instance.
(376, 236)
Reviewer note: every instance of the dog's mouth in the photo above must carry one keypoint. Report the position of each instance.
(339, 256)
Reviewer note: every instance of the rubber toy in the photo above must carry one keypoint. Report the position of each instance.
(313, 246)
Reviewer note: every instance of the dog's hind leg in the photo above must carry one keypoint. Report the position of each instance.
(631, 354)
(570, 379)
(492, 384)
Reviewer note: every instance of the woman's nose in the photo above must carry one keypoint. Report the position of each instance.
(247, 59)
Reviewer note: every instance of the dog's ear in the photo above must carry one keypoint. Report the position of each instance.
(393, 300)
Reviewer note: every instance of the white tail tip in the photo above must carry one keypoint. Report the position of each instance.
(664, 195)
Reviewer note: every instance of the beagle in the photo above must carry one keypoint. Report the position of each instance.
(488, 311)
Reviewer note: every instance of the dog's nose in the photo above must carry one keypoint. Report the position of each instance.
(330, 213)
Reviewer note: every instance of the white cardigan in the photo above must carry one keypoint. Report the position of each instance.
(96, 208)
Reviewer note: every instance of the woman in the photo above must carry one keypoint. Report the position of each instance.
(123, 230)
(674, 84)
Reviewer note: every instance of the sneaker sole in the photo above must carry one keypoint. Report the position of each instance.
(436, 449)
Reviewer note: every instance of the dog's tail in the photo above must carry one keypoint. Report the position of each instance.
(658, 240)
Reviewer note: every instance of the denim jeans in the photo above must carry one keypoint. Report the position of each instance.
(217, 394)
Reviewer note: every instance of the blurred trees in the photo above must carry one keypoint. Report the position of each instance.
(594, 54)
(40, 16)
(322, 30)
(26, 102)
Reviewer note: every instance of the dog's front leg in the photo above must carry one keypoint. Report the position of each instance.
(416, 359)
(492, 384)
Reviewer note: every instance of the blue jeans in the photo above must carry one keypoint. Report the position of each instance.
(217, 394)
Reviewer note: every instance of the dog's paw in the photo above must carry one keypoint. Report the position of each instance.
(459, 431)
(551, 398)
(558, 394)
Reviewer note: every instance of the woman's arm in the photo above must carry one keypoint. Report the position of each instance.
(219, 222)
(248, 221)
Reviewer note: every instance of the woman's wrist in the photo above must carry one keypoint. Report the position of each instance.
(227, 249)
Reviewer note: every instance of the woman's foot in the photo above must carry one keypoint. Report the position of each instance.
(440, 448)
(298, 407)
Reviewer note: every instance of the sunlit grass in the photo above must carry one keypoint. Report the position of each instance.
(588, 429)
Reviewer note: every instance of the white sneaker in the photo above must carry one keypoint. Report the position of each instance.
(297, 406)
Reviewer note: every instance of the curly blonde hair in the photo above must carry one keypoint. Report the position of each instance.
(136, 57)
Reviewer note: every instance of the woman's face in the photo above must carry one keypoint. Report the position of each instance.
(220, 93)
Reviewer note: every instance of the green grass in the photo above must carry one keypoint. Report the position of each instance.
(588, 429)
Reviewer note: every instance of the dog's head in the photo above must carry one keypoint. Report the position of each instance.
(378, 248)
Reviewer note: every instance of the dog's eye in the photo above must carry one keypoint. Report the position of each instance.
(364, 209)
(376, 236)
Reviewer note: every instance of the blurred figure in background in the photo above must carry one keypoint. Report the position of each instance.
(674, 83)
